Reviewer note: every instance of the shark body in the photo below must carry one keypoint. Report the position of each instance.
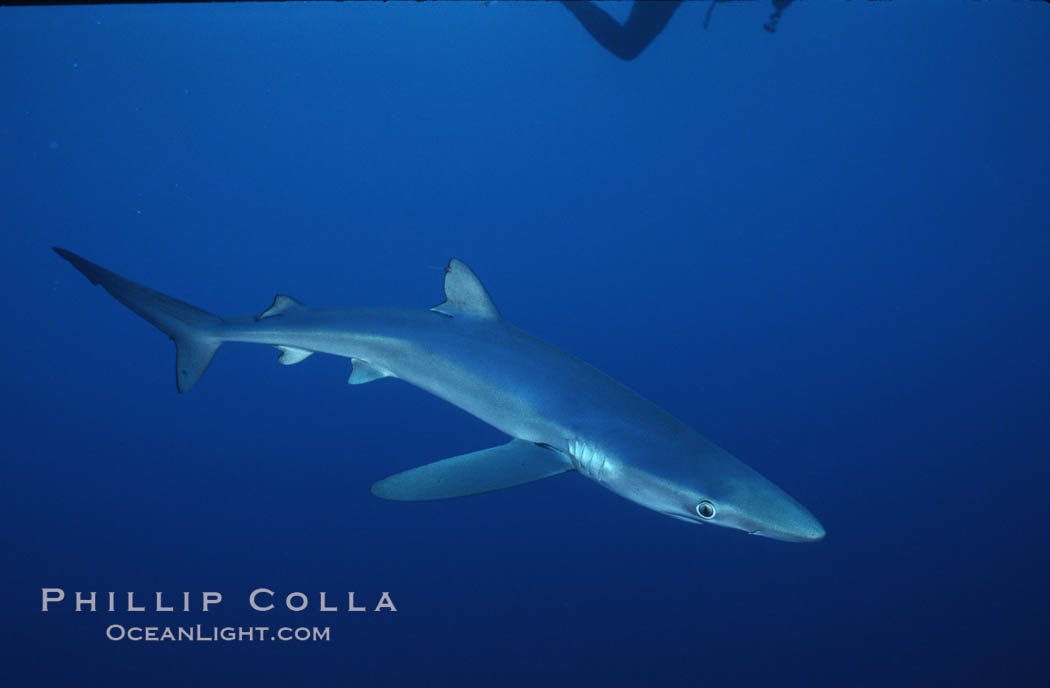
(562, 413)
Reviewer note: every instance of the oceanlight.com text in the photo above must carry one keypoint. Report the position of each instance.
(200, 633)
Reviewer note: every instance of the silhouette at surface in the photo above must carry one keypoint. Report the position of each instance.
(645, 22)
(778, 8)
(626, 41)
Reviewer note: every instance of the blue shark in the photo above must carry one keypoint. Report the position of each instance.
(561, 413)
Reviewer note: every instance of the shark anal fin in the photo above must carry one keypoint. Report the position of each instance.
(366, 372)
(465, 295)
(515, 463)
(291, 355)
(281, 304)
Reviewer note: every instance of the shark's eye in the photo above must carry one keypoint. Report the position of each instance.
(705, 509)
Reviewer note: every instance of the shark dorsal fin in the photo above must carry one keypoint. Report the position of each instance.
(465, 295)
(281, 304)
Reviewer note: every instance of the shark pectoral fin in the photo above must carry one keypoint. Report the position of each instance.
(364, 371)
(515, 463)
(291, 355)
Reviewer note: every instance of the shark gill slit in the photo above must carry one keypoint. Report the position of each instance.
(588, 460)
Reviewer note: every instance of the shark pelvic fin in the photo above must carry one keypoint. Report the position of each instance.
(282, 303)
(515, 463)
(291, 355)
(366, 372)
(465, 295)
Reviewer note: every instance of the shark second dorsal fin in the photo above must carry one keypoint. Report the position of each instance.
(281, 304)
(465, 295)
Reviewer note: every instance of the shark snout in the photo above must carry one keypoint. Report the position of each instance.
(793, 523)
(809, 533)
(764, 509)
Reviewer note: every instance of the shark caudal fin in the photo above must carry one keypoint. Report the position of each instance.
(194, 331)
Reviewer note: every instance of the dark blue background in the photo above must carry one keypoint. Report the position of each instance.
(826, 249)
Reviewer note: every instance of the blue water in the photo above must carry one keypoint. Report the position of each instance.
(826, 249)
